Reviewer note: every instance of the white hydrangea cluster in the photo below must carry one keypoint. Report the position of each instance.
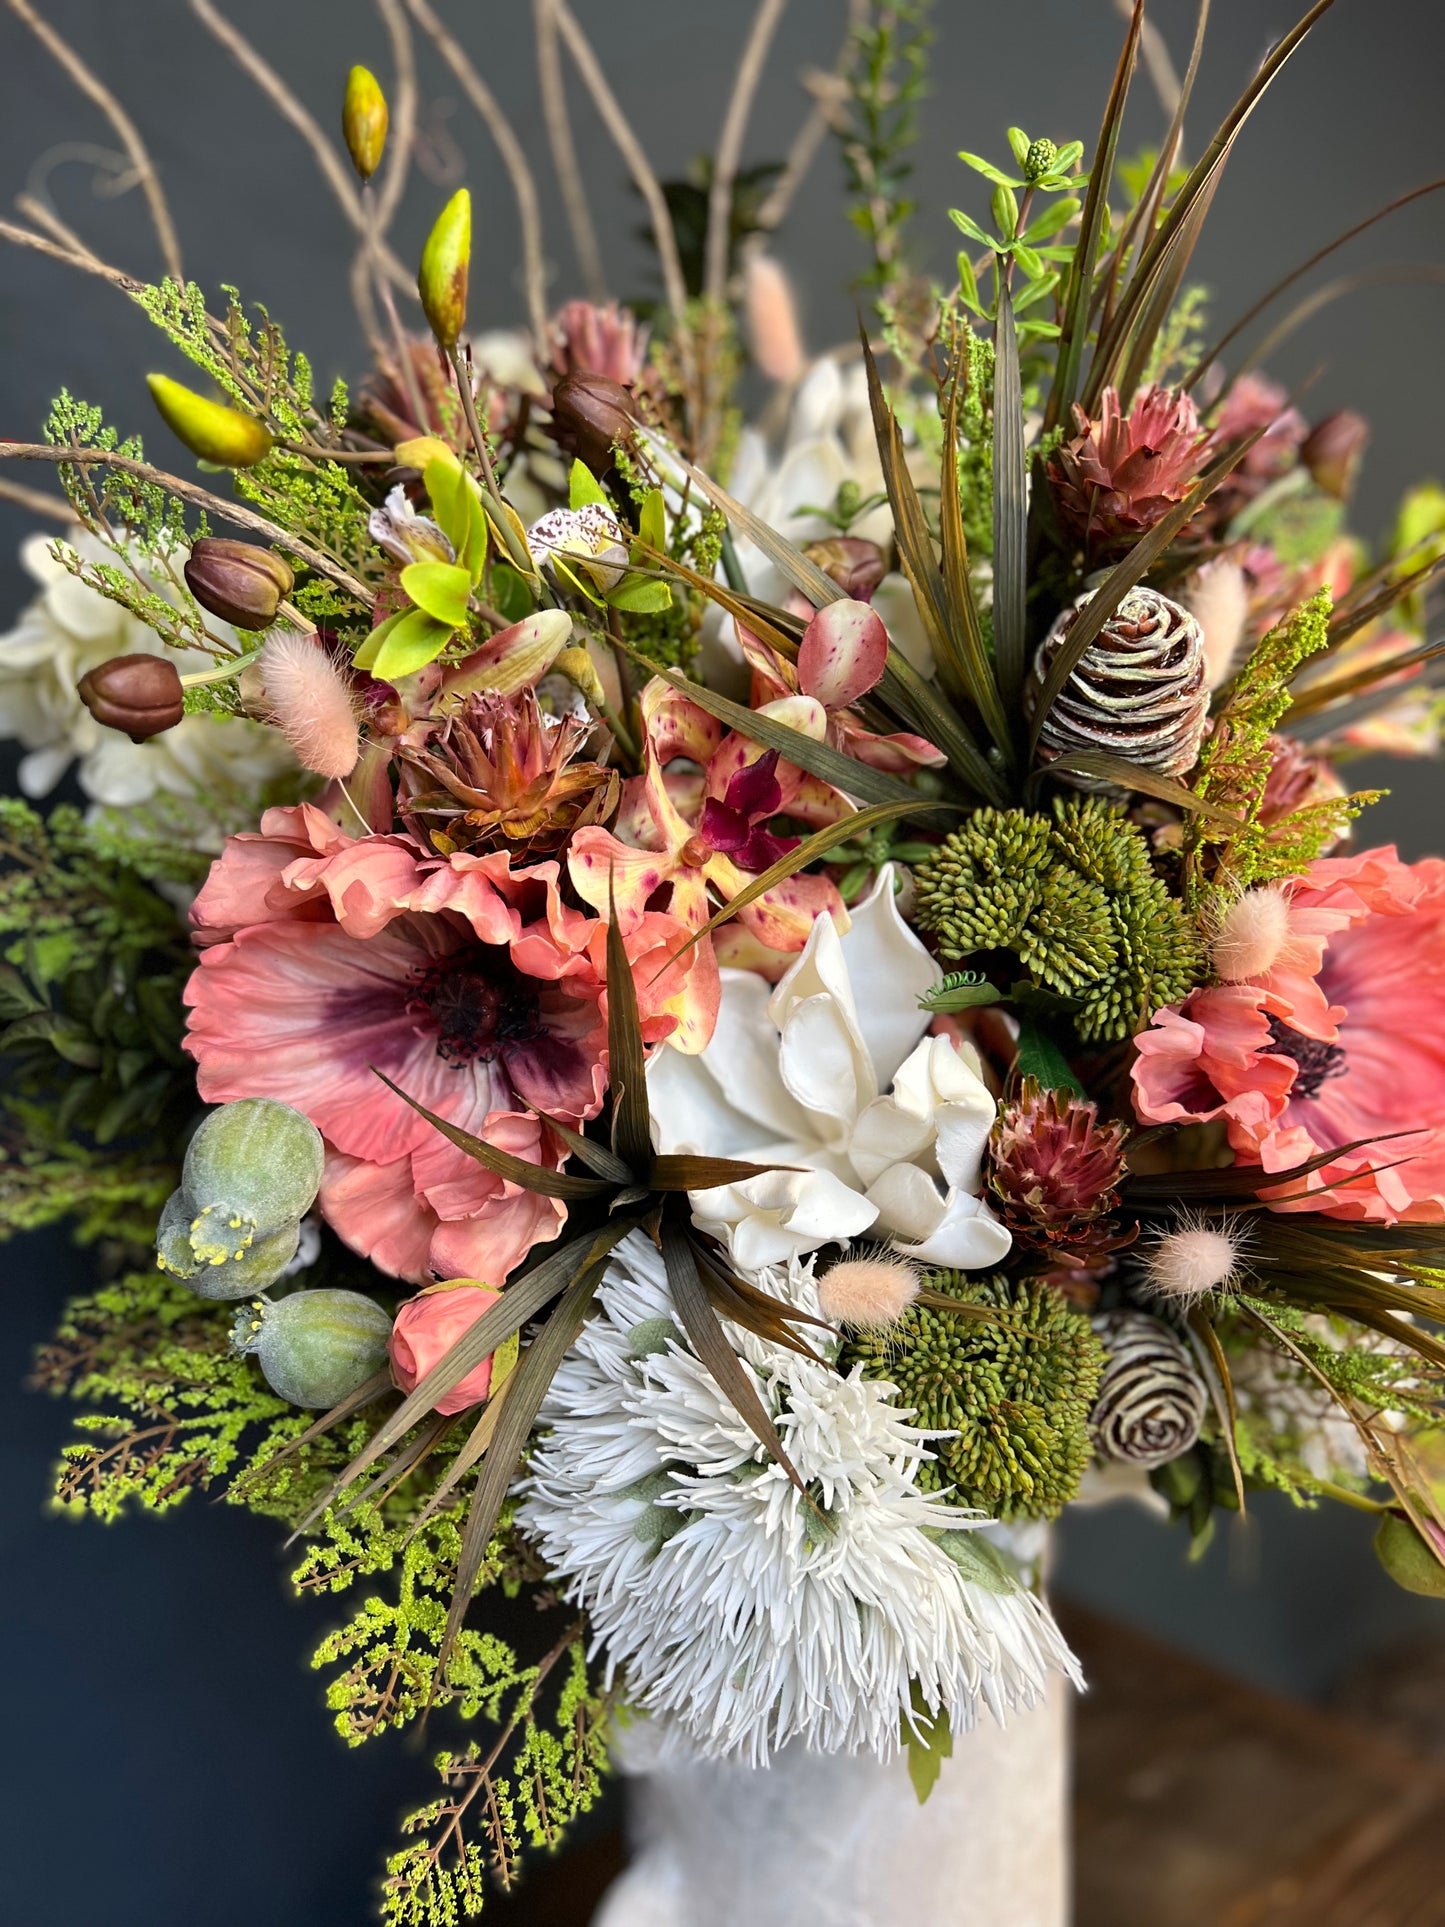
(737, 1611)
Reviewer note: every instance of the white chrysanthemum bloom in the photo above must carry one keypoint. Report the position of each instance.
(218, 763)
(737, 1612)
(832, 1071)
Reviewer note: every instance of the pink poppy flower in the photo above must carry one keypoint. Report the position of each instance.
(425, 1329)
(1342, 1038)
(471, 984)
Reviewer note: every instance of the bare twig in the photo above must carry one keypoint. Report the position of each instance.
(84, 260)
(630, 148)
(232, 512)
(730, 146)
(524, 187)
(828, 91)
(402, 111)
(333, 169)
(126, 131)
(564, 153)
(39, 501)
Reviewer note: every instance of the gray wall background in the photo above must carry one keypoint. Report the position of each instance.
(159, 1685)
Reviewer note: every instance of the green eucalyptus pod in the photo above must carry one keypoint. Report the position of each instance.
(256, 1160)
(218, 1254)
(316, 1347)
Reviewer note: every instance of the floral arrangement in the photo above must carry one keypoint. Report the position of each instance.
(714, 1020)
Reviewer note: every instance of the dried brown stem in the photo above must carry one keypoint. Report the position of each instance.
(564, 153)
(524, 187)
(39, 501)
(127, 132)
(84, 260)
(232, 512)
(630, 148)
(730, 146)
(828, 91)
(402, 110)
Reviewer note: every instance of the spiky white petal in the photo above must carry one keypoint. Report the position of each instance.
(741, 1614)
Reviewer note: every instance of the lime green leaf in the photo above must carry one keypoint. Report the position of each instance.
(987, 169)
(1005, 208)
(970, 227)
(412, 640)
(652, 521)
(1055, 216)
(1018, 141)
(929, 1740)
(583, 488)
(968, 284)
(1028, 260)
(640, 595)
(440, 588)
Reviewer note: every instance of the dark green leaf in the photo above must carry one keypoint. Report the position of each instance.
(626, 1055)
(1039, 1056)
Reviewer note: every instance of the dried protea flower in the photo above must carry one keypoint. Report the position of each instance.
(1123, 473)
(1255, 403)
(1152, 1399)
(856, 565)
(1139, 691)
(500, 771)
(1054, 1172)
(1297, 780)
(387, 403)
(140, 695)
(598, 340)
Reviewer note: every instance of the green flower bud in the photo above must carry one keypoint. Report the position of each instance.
(364, 120)
(1406, 1557)
(445, 261)
(1039, 159)
(316, 1347)
(256, 1160)
(209, 428)
(240, 582)
(580, 670)
(141, 695)
(217, 1254)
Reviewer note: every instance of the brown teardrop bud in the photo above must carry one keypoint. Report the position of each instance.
(1332, 451)
(856, 565)
(591, 413)
(139, 695)
(237, 581)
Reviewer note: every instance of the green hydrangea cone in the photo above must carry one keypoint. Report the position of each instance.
(1075, 897)
(255, 1160)
(1017, 1388)
(218, 1254)
(316, 1347)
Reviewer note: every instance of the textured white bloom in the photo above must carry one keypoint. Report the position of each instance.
(831, 1071)
(738, 1612)
(222, 763)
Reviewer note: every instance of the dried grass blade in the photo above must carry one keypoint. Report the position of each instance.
(626, 1057)
(1123, 576)
(504, 1164)
(597, 1157)
(477, 1442)
(1010, 508)
(806, 577)
(682, 1172)
(1163, 295)
(1317, 696)
(1206, 1343)
(375, 1387)
(1238, 1180)
(1133, 776)
(396, 1468)
(763, 1321)
(1386, 598)
(709, 1341)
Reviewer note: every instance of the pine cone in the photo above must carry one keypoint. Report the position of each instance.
(1140, 690)
(1054, 1172)
(1152, 1399)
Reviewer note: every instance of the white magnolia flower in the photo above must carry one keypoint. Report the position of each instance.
(740, 1613)
(69, 629)
(832, 1071)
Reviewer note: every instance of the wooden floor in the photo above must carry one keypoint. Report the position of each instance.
(1199, 1802)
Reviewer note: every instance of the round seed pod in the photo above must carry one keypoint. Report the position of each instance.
(315, 1348)
(218, 1255)
(1406, 1557)
(1152, 1399)
(591, 414)
(1140, 690)
(257, 1160)
(240, 582)
(140, 695)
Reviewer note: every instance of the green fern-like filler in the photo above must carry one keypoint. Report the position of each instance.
(1074, 896)
(1234, 767)
(544, 1768)
(1017, 1387)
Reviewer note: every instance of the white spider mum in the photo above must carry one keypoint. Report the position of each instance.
(741, 1614)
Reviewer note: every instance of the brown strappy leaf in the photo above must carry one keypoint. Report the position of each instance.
(503, 1164)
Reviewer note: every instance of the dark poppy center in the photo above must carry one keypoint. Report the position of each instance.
(1317, 1060)
(480, 1004)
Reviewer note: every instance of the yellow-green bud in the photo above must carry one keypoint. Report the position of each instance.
(209, 428)
(577, 666)
(364, 119)
(445, 261)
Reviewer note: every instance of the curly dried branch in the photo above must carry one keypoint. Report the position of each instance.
(730, 146)
(217, 505)
(564, 153)
(524, 186)
(89, 84)
(648, 186)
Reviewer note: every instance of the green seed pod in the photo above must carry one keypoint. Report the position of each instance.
(218, 1255)
(316, 1347)
(364, 119)
(256, 1160)
(1406, 1557)
(209, 428)
(445, 262)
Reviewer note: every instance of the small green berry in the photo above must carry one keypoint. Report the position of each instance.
(316, 1347)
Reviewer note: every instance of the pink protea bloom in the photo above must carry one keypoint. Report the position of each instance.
(425, 1329)
(1342, 1039)
(603, 340)
(1123, 473)
(469, 982)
